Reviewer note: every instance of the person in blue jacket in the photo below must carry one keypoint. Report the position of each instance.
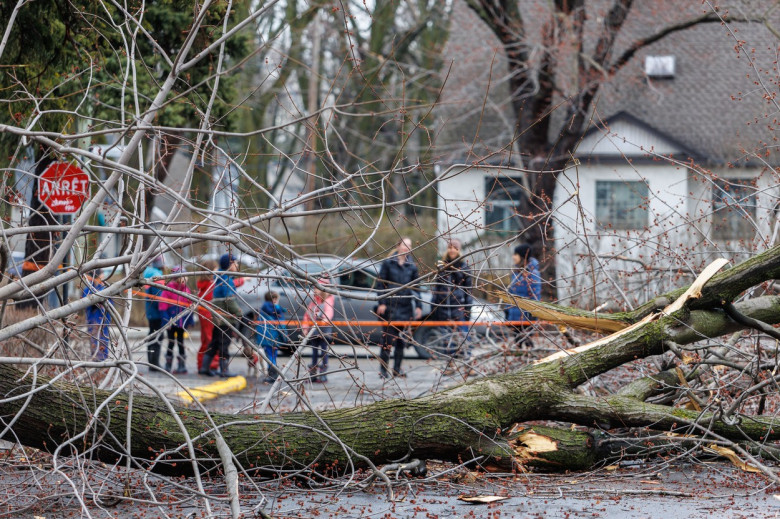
(271, 336)
(153, 292)
(98, 317)
(526, 282)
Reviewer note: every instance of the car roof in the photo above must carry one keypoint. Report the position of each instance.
(245, 260)
(315, 264)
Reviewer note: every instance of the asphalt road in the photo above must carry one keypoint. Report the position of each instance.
(353, 379)
(649, 490)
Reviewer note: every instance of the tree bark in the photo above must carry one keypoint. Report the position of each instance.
(471, 421)
(39, 245)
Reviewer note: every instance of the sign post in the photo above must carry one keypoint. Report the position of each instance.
(63, 188)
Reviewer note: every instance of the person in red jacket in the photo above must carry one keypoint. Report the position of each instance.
(205, 287)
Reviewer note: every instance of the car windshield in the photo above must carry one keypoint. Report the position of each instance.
(284, 276)
(345, 275)
(356, 279)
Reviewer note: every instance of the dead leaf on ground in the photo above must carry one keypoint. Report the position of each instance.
(464, 478)
(732, 457)
(481, 500)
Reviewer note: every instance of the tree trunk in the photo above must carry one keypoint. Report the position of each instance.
(168, 144)
(472, 421)
(39, 246)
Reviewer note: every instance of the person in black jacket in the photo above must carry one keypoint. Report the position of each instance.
(452, 287)
(397, 271)
(451, 299)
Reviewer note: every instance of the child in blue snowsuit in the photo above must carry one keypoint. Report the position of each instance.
(270, 336)
(98, 317)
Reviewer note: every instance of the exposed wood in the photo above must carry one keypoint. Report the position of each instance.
(692, 292)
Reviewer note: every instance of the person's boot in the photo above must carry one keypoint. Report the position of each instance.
(168, 362)
(384, 358)
(272, 375)
(153, 357)
(223, 368)
(181, 365)
(205, 367)
(323, 377)
(398, 357)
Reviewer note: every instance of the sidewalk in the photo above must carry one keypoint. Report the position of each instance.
(353, 377)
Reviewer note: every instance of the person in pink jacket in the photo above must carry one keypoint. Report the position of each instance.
(173, 308)
(321, 308)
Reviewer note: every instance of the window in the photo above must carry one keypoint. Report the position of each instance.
(505, 200)
(284, 277)
(356, 279)
(621, 205)
(733, 209)
(659, 67)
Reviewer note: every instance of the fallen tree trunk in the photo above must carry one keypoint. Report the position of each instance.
(722, 287)
(470, 421)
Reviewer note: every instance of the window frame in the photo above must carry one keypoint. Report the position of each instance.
(736, 226)
(513, 196)
(612, 220)
(347, 274)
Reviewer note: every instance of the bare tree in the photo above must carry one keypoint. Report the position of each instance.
(697, 365)
(563, 62)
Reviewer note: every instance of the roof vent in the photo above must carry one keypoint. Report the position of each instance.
(659, 67)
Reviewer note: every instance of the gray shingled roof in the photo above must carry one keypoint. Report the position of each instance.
(712, 106)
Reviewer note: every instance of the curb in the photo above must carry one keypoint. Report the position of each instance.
(213, 390)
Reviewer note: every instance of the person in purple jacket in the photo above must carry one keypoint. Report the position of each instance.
(173, 307)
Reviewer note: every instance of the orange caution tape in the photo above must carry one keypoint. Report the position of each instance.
(34, 267)
(290, 322)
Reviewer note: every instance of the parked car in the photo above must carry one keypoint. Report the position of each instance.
(247, 263)
(357, 302)
(445, 341)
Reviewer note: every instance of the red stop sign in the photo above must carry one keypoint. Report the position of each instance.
(63, 188)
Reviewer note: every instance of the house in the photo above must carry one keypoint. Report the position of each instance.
(676, 168)
(641, 214)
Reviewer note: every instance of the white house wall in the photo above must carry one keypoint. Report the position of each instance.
(461, 215)
(625, 138)
(624, 268)
(596, 263)
(461, 203)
